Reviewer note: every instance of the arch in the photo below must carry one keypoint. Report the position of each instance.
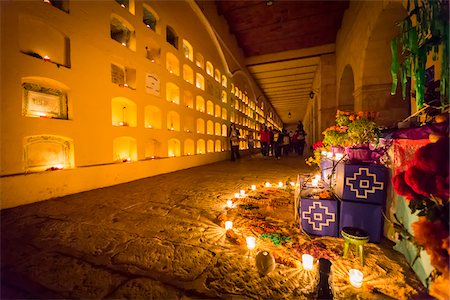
(346, 100)
(123, 112)
(172, 64)
(152, 149)
(242, 80)
(200, 81)
(200, 104)
(171, 36)
(209, 108)
(217, 75)
(210, 146)
(188, 51)
(201, 148)
(209, 127)
(172, 93)
(223, 96)
(217, 128)
(188, 99)
(200, 126)
(152, 117)
(44, 97)
(188, 123)
(217, 111)
(375, 92)
(188, 74)
(224, 113)
(199, 60)
(209, 68)
(151, 18)
(224, 81)
(224, 130)
(173, 148)
(47, 152)
(173, 121)
(122, 32)
(218, 146)
(189, 147)
(40, 40)
(124, 149)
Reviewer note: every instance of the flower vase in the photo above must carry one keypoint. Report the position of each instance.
(359, 153)
(337, 149)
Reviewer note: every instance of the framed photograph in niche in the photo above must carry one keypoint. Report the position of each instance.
(40, 101)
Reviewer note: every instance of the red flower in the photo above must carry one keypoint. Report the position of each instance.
(433, 158)
(420, 181)
(317, 144)
(402, 188)
(442, 187)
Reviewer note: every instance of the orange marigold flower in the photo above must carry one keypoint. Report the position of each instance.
(439, 288)
(351, 117)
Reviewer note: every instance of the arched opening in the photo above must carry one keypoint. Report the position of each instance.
(224, 81)
(200, 104)
(209, 127)
(173, 148)
(201, 147)
(188, 51)
(152, 149)
(122, 32)
(188, 99)
(217, 75)
(210, 146)
(172, 93)
(173, 121)
(188, 123)
(224, 97)
(200, 81)
(189, 147)
(124, 112)
(152, 117)
(200, 126)
(209, 108)
(217, 128)
(188, 74)
(209, 68)
(150, 18)
(199, 61)
(375, 94)
(39, 40)
(217, 111)
(172, 64)
(124, 149)
(48, 152)
(346, 100)
(218, 146)
(224, 130)
(171, 37)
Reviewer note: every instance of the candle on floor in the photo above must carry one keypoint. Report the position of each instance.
(253, 187)
(280, 184)
(242, 192)
(251, 242)
(307, 261)
(356, 277)
(230, 203)
(228, 225)
(236, 195)
(267, 184)
(329, 154)
(314, 183)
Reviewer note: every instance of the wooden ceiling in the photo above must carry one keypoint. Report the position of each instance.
(282, 41)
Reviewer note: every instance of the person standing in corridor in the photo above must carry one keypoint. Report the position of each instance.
(234, 142)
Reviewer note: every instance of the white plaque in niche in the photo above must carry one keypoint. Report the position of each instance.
(40, 101)
(152, 84)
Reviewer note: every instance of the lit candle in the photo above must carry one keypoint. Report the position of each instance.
(230, 203)
(329, 154)
(292, 183)
(236, 195)
(280, 184)
(307, 261)
(339, 156)
(46, 58)
(314, 182)
(356, 277)
(317, 177)
(242, 192)
(268, 184)
(251, 242)
(253, 187)
(324, 153)
(228, 225)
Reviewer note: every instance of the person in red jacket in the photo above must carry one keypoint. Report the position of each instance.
(264, 138)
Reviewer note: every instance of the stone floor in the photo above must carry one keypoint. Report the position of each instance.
(162, 238)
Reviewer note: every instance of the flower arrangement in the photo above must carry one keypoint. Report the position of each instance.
(315, 159)
(363, 131)
(425, 185)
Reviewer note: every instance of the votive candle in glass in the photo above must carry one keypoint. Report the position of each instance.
(253, 187)
(339, 156)
(307, 261)
(228, 225)
(242, 192)
(230, 203)
(280, 184)
(267, 184)
(356, 277)
(251, 242)
(236, 195)
(329, 154)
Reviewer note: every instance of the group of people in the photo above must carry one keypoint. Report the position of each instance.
(273, 142)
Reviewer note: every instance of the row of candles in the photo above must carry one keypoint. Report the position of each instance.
(331, 155)
(355, 276)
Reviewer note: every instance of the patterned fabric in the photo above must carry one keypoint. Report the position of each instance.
(404, 153)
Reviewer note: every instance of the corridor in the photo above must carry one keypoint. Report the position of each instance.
(162, 238)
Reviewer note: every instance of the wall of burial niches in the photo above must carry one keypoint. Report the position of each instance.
(101, 93)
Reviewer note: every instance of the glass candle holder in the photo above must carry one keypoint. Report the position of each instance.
(253, 187)
(230, 203)
(307, 261)
(356, 277)
(228, 225)
(251, 242)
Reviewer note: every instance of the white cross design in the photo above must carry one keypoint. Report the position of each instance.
(318, 223)
(360, 185)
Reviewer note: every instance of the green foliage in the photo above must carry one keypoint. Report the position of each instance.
(363, 131)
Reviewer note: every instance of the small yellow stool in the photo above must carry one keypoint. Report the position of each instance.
(357, 237)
